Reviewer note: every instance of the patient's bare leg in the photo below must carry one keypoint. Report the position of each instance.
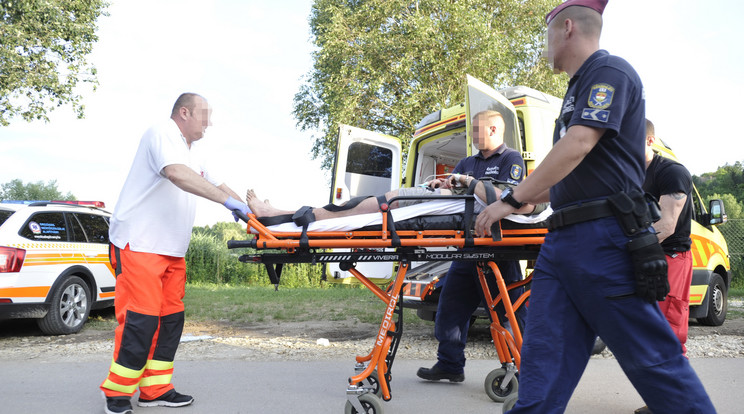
(264, 209)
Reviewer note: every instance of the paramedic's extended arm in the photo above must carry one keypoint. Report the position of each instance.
(565, 155)
(187, 180)
(671, 208)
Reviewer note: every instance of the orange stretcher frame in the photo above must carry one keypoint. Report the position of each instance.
(410, 245)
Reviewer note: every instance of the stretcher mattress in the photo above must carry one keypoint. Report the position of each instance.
(429, 213)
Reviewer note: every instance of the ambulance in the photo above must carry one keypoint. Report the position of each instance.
(54, 264)
(369, 163)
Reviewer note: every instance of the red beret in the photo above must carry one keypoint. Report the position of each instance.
(596, 5)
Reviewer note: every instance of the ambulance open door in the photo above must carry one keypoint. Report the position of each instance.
(481, 97)
(367, 164)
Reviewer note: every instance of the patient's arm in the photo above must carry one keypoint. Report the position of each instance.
(480, 191)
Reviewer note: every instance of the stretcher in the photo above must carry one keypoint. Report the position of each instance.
(406, 235)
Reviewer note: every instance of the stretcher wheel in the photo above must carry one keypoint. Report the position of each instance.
(493, 385)
(371, 403)
(509, 403)
(373, 381)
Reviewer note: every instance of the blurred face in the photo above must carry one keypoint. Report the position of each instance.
(484, 133)
(551, 46)
(197, 120)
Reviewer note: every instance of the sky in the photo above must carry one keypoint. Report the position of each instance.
(248, 58)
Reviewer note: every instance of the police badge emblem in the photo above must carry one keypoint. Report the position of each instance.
(516, 171)
(600, 97)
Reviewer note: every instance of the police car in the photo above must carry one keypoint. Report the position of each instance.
(54, 263)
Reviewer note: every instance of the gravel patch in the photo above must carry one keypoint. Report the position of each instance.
(263, 347)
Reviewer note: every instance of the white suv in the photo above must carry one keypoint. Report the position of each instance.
(54, 264)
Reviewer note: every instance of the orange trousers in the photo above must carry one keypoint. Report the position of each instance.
(150, 311)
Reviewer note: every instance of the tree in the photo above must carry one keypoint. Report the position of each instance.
(43, 51)
(16, 190)
(726, 179)
(384, 64)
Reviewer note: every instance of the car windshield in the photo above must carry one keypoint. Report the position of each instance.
(4, 214)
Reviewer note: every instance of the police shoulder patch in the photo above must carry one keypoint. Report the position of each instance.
(516, 171)
(600, 115)
(600, 97)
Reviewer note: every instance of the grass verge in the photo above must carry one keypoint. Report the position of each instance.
(246, 305)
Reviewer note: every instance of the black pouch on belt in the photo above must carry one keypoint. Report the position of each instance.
(650, 267)
(631, 211)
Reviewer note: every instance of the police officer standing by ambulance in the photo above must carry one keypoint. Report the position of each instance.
(601, 269)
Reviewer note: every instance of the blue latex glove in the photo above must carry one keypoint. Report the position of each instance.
(233, 204)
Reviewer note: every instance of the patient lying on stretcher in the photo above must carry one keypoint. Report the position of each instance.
(366, 209)
(488, 136)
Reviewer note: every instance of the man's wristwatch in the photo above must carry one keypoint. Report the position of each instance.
(507, 196)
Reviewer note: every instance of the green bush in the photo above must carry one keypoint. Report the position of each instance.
(208, 260)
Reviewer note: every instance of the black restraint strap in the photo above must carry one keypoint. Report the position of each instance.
(490, 199)
(469, 214)
(303, 217)
(385, 208)
(273, 221)
(347, 205)
(288, 218)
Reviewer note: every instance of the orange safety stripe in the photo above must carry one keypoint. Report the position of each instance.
(703, 249)
(25, 292)
(438, 124)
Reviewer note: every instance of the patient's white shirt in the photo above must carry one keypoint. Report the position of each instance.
(153, 215)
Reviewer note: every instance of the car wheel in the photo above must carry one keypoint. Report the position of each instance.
(69, 308)
(717, 302)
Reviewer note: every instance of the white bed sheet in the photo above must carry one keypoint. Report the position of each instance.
(437, 207)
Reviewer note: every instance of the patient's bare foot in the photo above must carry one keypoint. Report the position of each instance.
(262, 208)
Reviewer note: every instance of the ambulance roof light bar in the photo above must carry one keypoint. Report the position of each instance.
(98, 204)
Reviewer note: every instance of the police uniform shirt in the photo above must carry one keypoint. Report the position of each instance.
(665, 176)
(605, 92)
(505, 164)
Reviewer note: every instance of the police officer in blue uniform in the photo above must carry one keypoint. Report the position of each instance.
(462, 293)
(600, 270)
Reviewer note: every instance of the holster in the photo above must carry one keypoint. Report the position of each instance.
(632, 211)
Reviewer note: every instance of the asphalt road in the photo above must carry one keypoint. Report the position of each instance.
(235, 386)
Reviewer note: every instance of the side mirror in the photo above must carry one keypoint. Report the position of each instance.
(717, 212)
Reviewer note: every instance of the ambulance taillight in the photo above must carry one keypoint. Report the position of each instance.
(11, 259)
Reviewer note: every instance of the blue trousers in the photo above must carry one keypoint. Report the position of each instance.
(460, 297)
(583, 286)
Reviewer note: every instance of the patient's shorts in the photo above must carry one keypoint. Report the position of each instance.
(415, 192)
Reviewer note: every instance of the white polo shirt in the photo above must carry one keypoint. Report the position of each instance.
(152, 215)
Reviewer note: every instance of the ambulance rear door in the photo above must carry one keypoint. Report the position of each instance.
(367, 164)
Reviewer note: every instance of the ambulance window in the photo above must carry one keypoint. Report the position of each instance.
(77, 234)
(522, 138)
(96, 227)
(4, 214)
(697, 207)
(371, 160)
(45, 227)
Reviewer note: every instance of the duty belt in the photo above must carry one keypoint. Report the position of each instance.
(579, 213)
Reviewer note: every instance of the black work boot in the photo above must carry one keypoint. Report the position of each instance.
(435, 374)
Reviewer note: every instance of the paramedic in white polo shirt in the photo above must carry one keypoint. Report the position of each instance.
(150, 233)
